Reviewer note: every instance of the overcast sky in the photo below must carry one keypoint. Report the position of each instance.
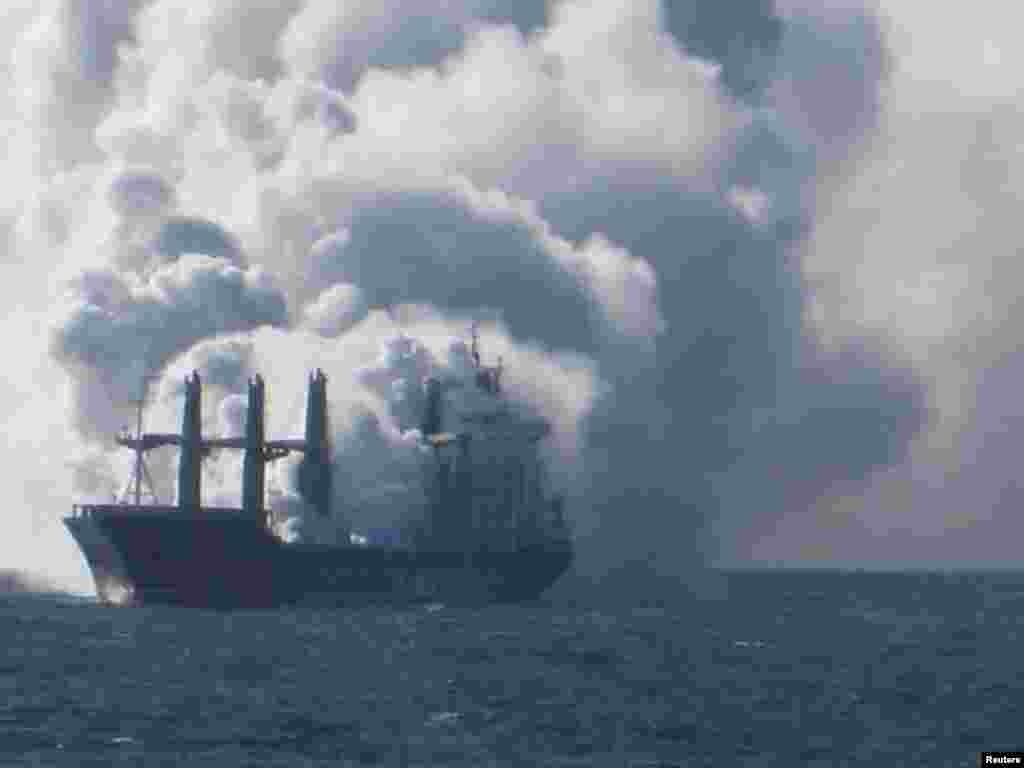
(756, 261)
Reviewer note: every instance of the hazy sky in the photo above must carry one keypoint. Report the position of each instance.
(755, 260)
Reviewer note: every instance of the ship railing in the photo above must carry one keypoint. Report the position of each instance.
(89, 510)
(85, 510)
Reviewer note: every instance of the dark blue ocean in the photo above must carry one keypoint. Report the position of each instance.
(768, 669)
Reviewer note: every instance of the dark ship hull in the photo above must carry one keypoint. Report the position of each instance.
(224, 559)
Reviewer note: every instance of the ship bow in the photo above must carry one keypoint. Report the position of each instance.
(105, 563)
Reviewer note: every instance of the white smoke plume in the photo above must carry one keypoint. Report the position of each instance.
(116, 328)
(707, 239)
(375, 402)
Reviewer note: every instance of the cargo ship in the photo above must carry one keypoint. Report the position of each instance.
(489, 530)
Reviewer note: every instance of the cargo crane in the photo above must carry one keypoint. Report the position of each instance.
(258, 450)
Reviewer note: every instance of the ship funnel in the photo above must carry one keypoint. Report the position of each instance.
(253, 469)
(315, 469)
(191, 446)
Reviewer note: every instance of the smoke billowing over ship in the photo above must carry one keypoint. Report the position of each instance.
(670, 211)
(488, 529)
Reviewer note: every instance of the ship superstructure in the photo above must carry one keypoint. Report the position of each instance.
(488, 515)
(487, 488)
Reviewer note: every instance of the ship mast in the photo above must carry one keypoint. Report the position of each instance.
(474, 330)
(140, 472)
(487, 377)
(139, 463)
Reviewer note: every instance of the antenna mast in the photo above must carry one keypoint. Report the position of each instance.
(140, 471)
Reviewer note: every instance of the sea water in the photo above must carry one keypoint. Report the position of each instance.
(775, 669)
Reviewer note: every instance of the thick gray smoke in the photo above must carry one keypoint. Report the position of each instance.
(684, 225)
(117, 329)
